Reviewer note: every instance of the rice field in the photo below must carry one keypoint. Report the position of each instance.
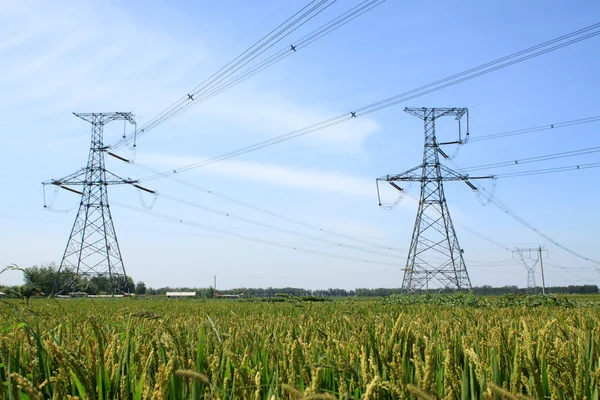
(348, 349)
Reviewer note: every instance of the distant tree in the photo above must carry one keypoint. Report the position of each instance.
(101, 284)
(41, 278)
(129, 285)
(210, 292)
(140, 288)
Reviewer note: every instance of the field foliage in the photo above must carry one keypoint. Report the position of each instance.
(455, 347)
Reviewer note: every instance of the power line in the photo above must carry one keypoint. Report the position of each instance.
(228, 198)
(269, 226)
(546, 127)
(523, 222)
(249, 238)
(564, 154)
(552, 264)
(231, 80)
(549, 170)
(495, 201)
(482, 236)
(252, 49)
(228, 76)
(272, 213)
(299, 19)
(523, 55)
(473, 231)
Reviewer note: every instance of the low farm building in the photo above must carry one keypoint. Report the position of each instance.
(180, 295)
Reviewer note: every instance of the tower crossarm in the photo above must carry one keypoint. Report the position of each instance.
(447, 174)
(404, 176)
(430, 115)
(113, 179)
(76, 178)
(105, 118)
(79, 179)
(436, 112)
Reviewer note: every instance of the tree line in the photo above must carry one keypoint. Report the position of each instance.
(39, 280)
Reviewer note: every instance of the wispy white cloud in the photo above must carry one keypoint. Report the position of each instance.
(94, 57)
(87, 54)
(273, 174)
(271, 113)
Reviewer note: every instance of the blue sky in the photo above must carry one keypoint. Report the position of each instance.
(60, 57)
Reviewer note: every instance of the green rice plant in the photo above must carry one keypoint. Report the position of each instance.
(457, 347)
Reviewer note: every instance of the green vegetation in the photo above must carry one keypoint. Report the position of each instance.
(39, 281)
(453, 347)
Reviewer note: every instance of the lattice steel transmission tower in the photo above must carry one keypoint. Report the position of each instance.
(535, 257)
(93, 249)
(434, 255)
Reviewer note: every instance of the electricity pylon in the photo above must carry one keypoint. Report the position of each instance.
(92, 249)
(530, 267)
(434, 254)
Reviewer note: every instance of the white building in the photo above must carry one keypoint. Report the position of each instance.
(180, 295)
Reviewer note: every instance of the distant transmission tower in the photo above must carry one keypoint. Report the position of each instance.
(93, 249)
(534, 256)
(434, 255)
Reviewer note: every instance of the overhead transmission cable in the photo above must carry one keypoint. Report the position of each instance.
(503, 207)
(230, 75)
(546, 127)
(249, 238)
(277, 34)
(282, 28)
(231, 80)
(245, 204)
(473, 231)
(270, 226)
(564, 154)
(272, 213)
(523, 55)
(494, 200)
(570, 270)
(554, 170)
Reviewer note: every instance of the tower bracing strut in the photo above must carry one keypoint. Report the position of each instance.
(435, 259)
(92, 251)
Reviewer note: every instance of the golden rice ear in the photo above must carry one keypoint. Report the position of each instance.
(505, 394)
(419, 393)
(26, 386)
(196, 376)
(292, 390)
(319, 396)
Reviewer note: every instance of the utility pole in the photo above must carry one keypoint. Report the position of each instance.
(215, 284)
(542, 268)
(434, 252)
(93, 250)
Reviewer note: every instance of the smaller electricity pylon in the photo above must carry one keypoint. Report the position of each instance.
(92, 250)
(434, 253)
(531, 258)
